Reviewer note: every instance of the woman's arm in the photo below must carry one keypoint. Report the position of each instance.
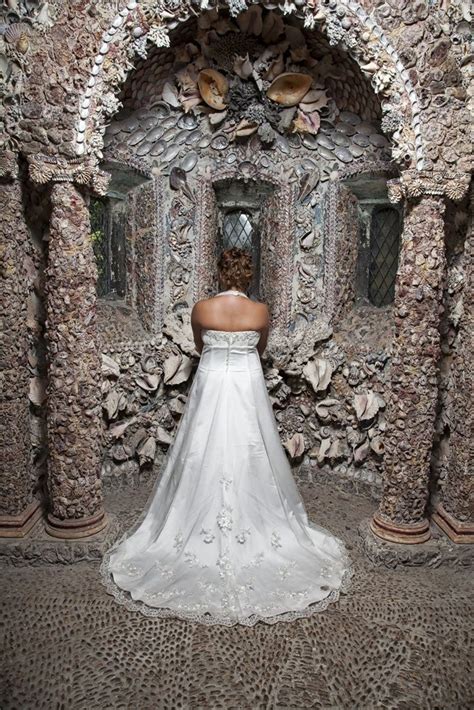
(262, 343)
(196, 326)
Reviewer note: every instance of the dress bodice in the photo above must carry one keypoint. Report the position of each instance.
(227, 338)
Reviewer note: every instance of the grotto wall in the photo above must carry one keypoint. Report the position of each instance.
(346, 387)
(329, 406)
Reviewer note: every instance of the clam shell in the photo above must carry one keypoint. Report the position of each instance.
(213, 87)
(219, 142)
(366, 128)
(309, 141)
(169, 134)
(379, 140)
(158, 148)
(282, 143)
(356, 151)
(136, 137)
(289, 88)
(170, 153)
(294, 140)
(155, 134)
(347, 128)
(309, 164)
(181, 137)
(189, 161)
(340, 139)
(325, 153)
(187, 122)
(344, 155)
(194, 137)
(361, 140)
(349, 117)
(160, 109)
(204, 142)
(144, 148)
(148, 123)
(325, 142)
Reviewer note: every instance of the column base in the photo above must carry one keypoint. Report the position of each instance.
(21, 524)
(71, 529)
(409, 534)
(456, 530)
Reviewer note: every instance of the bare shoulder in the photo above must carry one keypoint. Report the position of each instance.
(198, 309)
(263, 311)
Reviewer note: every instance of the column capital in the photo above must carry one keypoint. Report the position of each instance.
(438, 183)
(9, 168)
(83, 172)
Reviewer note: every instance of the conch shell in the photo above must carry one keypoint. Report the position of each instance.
(213, 87)
(289, 88)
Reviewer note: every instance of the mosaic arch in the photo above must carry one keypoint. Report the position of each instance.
(344, 22)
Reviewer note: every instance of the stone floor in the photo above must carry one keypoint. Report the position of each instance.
(401, 638)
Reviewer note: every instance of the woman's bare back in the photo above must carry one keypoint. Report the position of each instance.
(231, 313)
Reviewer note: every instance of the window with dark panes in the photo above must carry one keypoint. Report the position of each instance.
(385, 230)
(108, 241)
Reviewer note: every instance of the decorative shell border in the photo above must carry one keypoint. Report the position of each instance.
(344, 22)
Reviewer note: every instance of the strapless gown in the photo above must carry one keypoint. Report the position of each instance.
(224, 537)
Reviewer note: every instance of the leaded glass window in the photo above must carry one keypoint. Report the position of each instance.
(237, 230)
(384, 247)
(240, 229)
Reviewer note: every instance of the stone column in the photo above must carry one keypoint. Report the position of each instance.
(454, 513)
(73, 394)
(416, 350)
(19, 509)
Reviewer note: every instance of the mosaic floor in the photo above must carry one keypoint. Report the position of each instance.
(400, 639)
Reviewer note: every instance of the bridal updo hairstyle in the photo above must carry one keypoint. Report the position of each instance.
(235, 269)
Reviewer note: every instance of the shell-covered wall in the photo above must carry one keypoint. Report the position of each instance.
(326, 360)
(395, 70)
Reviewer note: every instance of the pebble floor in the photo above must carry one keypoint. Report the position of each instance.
(399, 639)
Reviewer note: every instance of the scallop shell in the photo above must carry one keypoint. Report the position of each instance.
(213, 87)
(289, 88)
(15, 31)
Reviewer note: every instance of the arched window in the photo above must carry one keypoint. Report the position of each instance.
(239, 219)
(385, 228)
(240, 229)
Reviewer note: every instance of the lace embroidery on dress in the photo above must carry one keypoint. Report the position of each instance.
(196, 612)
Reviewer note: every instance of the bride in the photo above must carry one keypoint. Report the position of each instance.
(224, 537)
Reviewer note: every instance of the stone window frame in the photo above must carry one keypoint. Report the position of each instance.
(345, 281)
(277, 270)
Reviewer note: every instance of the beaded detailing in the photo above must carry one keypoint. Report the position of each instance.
(231, 337)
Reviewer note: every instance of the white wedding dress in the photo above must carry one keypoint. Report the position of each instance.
(224, 537)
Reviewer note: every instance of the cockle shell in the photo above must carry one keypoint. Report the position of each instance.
(289, 88)
(213, 87)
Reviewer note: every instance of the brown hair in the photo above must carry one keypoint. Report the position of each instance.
(235, 268)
